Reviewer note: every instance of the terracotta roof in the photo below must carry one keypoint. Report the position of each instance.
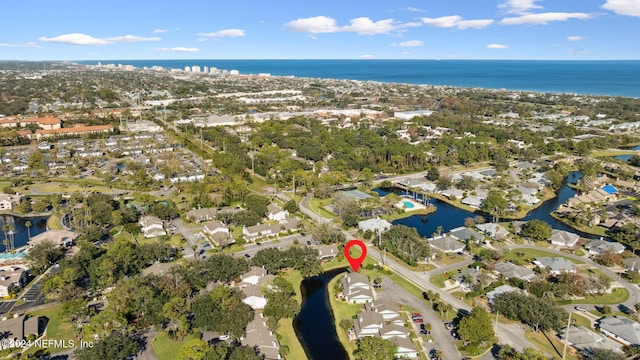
(76, 129)
(48, 121)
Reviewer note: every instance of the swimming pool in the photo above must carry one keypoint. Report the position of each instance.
(408, 204)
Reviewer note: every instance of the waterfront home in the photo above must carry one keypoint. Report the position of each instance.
(597, 247)
(555, 265)
(259, 336)
(151, 226)
(447, 244)
(585, 340)
(327, 252)
(376, 225)
(368, 323)
(563, 238)
(7, 202)
(356, 288)
(466, 234)
(251, 284)
(12, 277)
(621, 329)
(510, 270)
(495, 231)
(473, 201)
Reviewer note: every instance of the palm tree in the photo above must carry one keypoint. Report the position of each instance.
(5, 229)
(28, 225)
(12, 233)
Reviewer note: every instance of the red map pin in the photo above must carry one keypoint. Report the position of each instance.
(355, 263)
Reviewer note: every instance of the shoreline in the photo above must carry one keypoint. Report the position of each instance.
(587, 230)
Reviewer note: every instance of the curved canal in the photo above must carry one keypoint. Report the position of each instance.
(315, 323)
(450, 217)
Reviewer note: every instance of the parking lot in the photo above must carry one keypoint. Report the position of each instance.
(5, 306)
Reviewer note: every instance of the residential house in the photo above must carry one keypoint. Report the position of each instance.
(151, 226)
(500, 290)
(252, 233)
(495, 231)
(466, 234)
(447, 244)
(44, 146)
(259, 336)
(510, 270)
(19, 328)
(584, 340)
(158, 268)
(387, 309)
(555, 265)
(389, 331)
(404, 348)
(218, 233)
(597, 247)
(376, 225)
(200, 215)
(473, 201)
(10, 278)
(7, 202)
(368, 323)
(274, 212)
(563, 238)
(327, 252)
(633, 264)
(251, 285)
(356, 288)
(621, 329)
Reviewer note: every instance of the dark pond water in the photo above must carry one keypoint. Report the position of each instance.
(626, 157)
(450, 217)
(21, 236)
(315, 323)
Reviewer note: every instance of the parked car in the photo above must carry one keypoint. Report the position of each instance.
(580, 308)
(247, 256)
(418, 320)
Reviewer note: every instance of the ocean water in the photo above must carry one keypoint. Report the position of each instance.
(614, 78)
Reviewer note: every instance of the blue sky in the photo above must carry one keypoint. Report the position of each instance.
(328, 29)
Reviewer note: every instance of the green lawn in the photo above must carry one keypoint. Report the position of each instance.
(167, 349)
(617, 296)
(317, 206)
(57, 328)
(288, 337)
(295, 278)
(53, 223)
(528, 255)
(550, 344)
(580, 320)
(405, 214)
(612, 152)
(439, 279)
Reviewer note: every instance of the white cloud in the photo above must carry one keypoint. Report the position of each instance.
(360, 25)
(409, 25)
(366, 56)
(520, 7)
(474, 24)
(314, 25)
(75, 39)
(84, 39)
(443, 21)
(131, 39)
(178, 49)
(497, 46)
(160, 31)
(224, 33)
(575, 38)
(409, 43)
(25, 45)
(413, 9)
(365, 26)
(623, 7)
(457, 22)
(544, 18)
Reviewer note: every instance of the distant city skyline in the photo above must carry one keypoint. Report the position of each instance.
(352, 29)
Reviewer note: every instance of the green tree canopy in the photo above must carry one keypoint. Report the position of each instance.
(537, 230)
(374, 348)
(476, 327)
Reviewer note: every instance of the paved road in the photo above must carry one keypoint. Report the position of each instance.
(283, 243)
(441, 336)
